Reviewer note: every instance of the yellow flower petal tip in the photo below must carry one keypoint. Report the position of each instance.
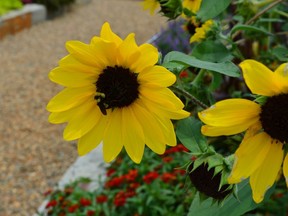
(258, 198)
(108, 96)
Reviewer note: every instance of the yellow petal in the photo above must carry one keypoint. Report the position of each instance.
(164, 97)
(70, 97)
(154, 135)
(231, 112)
(213, 131)
(72, 77)
(133, 136)
(151, 5)
(93, 138)
(282, 77)
(285, 168)
(165, 111)
(260, 79)
(192, 5)
(113, 137)
(166, 125)
(128, 52)
(149, 57)
(156, 76)
(249, 157)
(84, 119)
(105, 53)
(264, 177)
(65, 116)
(84, 53)
(107, 34)
(70, 63)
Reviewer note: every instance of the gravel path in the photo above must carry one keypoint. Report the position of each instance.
(33, 154)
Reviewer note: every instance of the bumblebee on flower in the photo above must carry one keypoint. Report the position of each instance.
(115, 93)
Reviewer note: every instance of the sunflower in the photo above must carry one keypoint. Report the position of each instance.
(151, 5)
(192, 5)
(115, 93)
(200, 30)
(261, 152)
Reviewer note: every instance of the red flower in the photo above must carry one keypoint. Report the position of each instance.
(115, 182)
(149, 177)
(183, 74)
(167, 159)
(46, 193)
(51, 203)
(130, 193)
(73, 208)
(131, 176)
(168, 177)
(134, 186)
(110, 172)
(101, 198)
(179, 171)
(85, 202)
(90, 213)
(120, 199)
(68, 190)
(178, 148)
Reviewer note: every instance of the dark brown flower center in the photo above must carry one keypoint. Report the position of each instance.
(116, 87)
(274, 117)
(207, 183)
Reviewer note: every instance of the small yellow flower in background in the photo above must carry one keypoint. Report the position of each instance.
(261, 153)
(192, 5)
(201, 31)
(115, 93)
(151, 5)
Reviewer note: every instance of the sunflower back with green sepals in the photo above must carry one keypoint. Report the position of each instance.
(171, 8)
(208, 175)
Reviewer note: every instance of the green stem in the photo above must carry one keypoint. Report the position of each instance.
(258, 15)
(199, 78)
(189, 96)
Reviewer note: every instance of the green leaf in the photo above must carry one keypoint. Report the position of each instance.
(211, 8)
(231, 206)
(212, 51)
(226, 68)
(175, 67)
(249, 28)
(188, 132)
(281, 53)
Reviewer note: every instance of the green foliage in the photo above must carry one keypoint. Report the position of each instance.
(154, 187)
(8, 5)
(227, 67)
(211, 8)
(231, 206)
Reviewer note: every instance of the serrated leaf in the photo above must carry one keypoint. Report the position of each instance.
(188, 132)
(227, 67)
(212, 8)
(231, 206)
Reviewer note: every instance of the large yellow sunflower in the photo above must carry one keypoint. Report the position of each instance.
(261, 153)
(151, 5)
(116, 94)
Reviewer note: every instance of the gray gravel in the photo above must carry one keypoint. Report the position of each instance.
(32, 152)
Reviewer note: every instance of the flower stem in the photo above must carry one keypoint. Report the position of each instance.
(258, 15)
(191, 97)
